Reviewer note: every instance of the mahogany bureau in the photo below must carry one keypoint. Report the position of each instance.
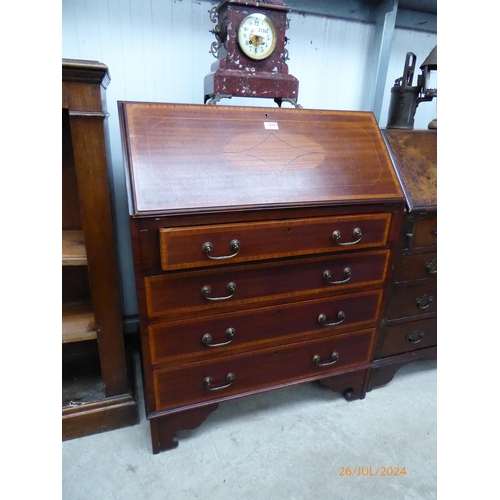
(409, 326)
(263, 242)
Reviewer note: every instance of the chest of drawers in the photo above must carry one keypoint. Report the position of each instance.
(409, 326)
(263, 240)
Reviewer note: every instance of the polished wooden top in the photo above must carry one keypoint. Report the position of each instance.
(414, 153)
(184, 158)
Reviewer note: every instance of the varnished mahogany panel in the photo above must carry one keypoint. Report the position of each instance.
(413, 300)
(183, 247)
(179, 295)
(182, 341)
(194, 158)
(407, 337)
(416, 267)
(415, 157)
(264, 369)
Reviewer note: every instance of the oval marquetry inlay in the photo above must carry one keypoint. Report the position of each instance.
(273, 151)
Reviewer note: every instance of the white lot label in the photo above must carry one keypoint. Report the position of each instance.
(271, 125)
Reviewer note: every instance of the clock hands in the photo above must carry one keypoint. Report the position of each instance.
(256, 40)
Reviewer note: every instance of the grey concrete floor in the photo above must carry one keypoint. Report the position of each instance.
(289, 444)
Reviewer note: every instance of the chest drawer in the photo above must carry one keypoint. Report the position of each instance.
(186, 294)
(424, 232)
(267, 368)
(416, 267)
(408, 337)
(202, 246)
(415, 300)
(205, 338)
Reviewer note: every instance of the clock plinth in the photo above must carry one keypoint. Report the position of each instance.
(250, 51)
(224, 82)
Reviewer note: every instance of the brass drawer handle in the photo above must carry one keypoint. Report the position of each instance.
(346, 273)
(207, 290)
(334, 358)
(424, 301)
(207, 338)
(356, 233)
(234, 245)
(432, 266)
(415, 337)
(208, 382)
(340, 317)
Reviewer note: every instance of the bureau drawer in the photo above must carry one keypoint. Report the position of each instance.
(406, 337)
(424, 233)
(201, 246)
(408, 301)
(204, 338)
(184, 295)
(416, 267)
(264, 369)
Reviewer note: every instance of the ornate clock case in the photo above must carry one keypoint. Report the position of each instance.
(235, 73)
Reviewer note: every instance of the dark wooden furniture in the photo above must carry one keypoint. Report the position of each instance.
(262, 242)
(96, 390)
(409, 327)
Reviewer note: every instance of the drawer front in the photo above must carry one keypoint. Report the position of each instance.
(202, 246)
(416, 267)
(409, 301)
(184, 295)
(407, 337)
(205, 338)
(264, 369)
(424, 233)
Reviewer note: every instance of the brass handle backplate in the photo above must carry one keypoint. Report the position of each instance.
(333, 359)
(208, 248)
(340, 319)
(208, 382)
(432, 266)
(207, 290)
(346, 273)
(424, 301)
(356, 233)
(415, 337)
(207, 338)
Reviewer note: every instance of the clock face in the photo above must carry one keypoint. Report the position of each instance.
(257, 36)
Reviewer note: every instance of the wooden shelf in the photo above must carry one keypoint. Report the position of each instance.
(73, 248)
(78, 322)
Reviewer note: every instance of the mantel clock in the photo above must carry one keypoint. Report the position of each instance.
(250, 51)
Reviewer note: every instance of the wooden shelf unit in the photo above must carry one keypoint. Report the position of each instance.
(97, 382)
